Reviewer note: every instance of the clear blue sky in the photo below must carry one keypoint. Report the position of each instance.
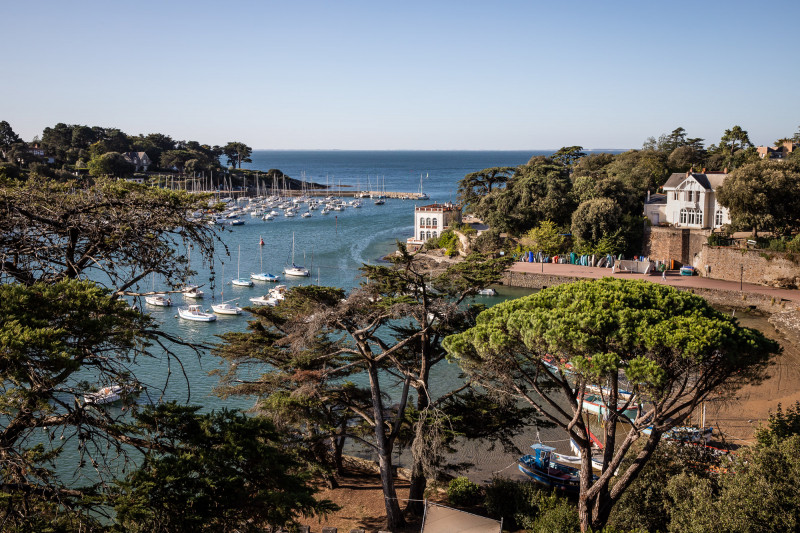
(404, 75)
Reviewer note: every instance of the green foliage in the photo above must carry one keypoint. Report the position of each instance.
(237, 153)
(760, 492)
(462, 492)
(110, 164)
(447, 240)
(780, 426)
(657, 338)
(489, 241)
(538, 191)
(568, 155)
(649, 503)
(547, 238)
(719, 239)
(9, 171)
(760, 196)
(214, 472)
(476, 185)
(526, 505)
(595, 218)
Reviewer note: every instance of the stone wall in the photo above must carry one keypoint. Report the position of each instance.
(673, 244)
(751, 266)
(529, 280)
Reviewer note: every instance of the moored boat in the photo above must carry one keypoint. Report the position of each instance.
(196, 313)
(542, 467)
(194, 292)
(594, 404)
(109, 394)
(158, 300)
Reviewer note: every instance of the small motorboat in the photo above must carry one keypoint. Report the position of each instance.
(264, 300)
(193, 292)
(196, 313)
(265, 276)
(687, 270)
(543, 468)
(487, 292)
(158, 300)
(226, 308)
(110, 394)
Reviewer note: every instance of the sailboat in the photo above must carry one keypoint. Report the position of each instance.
(225, 308)
(159, 300)
(192, 291)
(380, 197)
(295, 270)
(240, 281)
(263, 276)
(421, 195)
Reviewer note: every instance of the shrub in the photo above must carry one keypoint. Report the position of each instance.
(463, 492)
(525, 505)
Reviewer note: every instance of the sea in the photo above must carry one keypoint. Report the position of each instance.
(333, 247)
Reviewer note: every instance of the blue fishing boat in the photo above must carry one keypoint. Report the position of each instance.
(542, 467)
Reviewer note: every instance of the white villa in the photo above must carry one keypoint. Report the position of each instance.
(689, 201)
(431, 220)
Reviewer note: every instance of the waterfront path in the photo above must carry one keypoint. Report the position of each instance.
(673, 278)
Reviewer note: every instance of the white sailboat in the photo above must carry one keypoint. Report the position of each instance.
(263, 276)
(225, 308)
(421, 195)
(240, 281)
(295, 270)
(159, 300)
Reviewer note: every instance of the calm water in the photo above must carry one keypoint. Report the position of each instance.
(332, 246)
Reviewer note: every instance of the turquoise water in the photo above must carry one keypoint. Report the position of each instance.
(333, 247)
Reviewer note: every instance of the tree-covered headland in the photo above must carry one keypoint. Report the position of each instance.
(594, 203)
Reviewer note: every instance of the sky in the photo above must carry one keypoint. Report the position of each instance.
(428, 75)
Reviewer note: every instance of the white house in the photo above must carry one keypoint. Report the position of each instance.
(689, 201)
(431, 220)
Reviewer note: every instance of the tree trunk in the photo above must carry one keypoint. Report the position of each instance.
(416, 492)
(394, 517)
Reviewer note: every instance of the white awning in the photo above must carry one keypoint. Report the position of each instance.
(441, 519)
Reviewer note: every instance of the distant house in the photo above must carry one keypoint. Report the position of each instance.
(689, 201)
(781, 152)
(138, 160)
(38, 151)
(430, 221)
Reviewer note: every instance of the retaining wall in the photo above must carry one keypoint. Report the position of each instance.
(775, 269)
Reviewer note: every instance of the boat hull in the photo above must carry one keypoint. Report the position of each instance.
(196, 315)
(226, 309)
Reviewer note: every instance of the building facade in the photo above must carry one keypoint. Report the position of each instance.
(689, 201)
(140, 160)
(431, 220)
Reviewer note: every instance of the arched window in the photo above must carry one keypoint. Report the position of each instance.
(718, 218)
(683, 216)
(428, 233)
(428, 222)
(435, 234)
(435, 222)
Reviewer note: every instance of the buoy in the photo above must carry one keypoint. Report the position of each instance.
(261, 242)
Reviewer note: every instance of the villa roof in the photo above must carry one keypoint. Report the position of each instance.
(709, 180)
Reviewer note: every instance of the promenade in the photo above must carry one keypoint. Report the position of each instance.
(673, 278)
